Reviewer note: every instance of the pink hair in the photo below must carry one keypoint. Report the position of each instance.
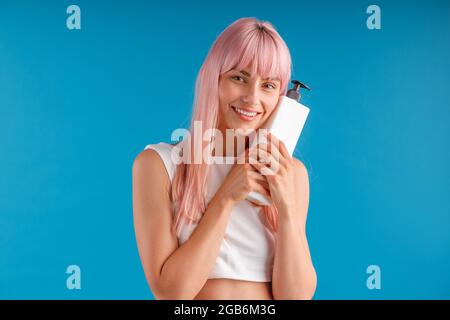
(246, 42)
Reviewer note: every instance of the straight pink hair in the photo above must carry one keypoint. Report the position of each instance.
(246, 42)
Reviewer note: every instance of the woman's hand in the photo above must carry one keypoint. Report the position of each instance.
(241, 180)
(284, 175)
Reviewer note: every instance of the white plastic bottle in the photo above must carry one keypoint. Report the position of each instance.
(286, 123)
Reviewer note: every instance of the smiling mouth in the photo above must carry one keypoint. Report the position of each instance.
(244, 114)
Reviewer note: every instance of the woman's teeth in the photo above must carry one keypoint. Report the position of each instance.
(245, 113)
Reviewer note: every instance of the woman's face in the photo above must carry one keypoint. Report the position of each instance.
(246, 100)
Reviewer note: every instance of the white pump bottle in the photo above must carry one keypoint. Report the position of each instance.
(286, 123)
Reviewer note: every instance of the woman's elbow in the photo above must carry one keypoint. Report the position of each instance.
(305, 291)
(308, 294)
(171, 293)
(310, 290)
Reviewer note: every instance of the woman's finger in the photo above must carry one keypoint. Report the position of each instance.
(259, 178)
(259, 188)
(262, 169)
(273, 145)
(264, 159)
(281, 147)
(273, 150)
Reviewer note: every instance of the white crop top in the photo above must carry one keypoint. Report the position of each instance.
(247, 249)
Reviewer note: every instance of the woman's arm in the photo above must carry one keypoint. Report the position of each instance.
(294, 276)
(173, 272)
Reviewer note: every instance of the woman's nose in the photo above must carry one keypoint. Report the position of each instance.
(251, 98)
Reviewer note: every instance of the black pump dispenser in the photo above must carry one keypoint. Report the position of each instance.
(294, 93)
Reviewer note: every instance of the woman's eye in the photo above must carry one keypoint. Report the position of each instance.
(238, 78)
(271, 85)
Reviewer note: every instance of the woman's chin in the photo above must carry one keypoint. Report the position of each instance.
(244, 127)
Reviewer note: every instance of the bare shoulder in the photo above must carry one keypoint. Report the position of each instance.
(148, 163)
(147, 159)
(150, 178)
(300, 169)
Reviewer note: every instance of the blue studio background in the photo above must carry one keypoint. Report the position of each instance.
(77, 106)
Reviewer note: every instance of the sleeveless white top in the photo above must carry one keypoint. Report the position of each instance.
(247, 249)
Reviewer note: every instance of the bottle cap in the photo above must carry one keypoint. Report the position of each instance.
(294, 93)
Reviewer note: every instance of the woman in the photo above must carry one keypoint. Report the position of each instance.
(198, 236)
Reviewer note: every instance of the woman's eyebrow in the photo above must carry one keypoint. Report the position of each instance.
(272, 79)
(247, 74)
